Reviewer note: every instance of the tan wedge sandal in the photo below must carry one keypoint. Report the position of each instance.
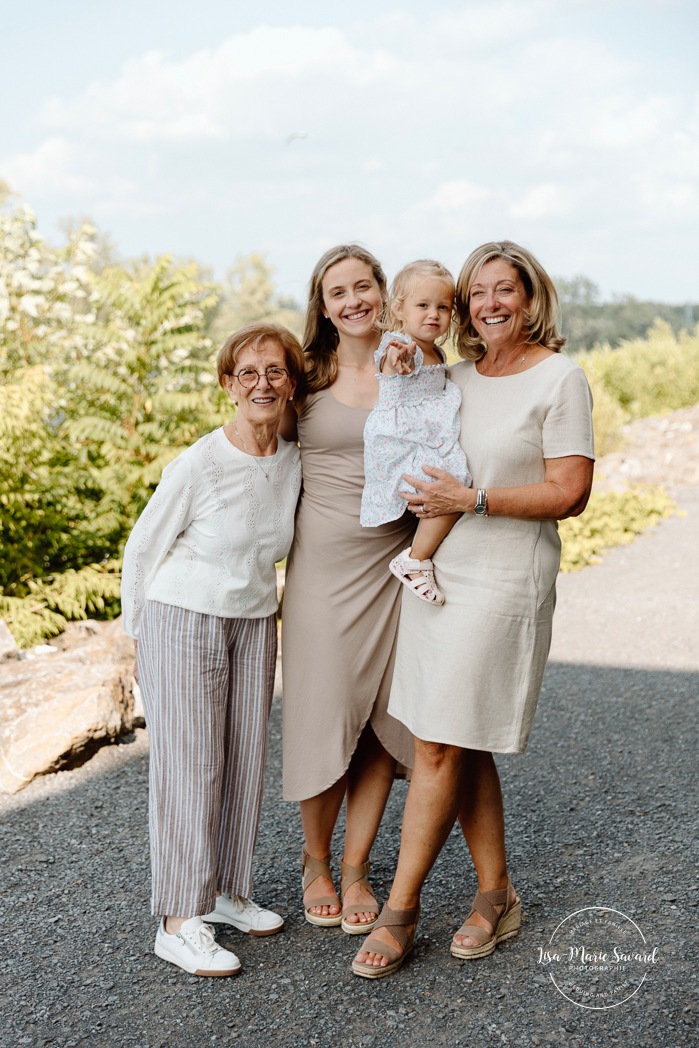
(311, 870)
(349, 876)
(504, 920)
(396, 921)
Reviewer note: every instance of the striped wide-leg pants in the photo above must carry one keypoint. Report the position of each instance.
(207, 685)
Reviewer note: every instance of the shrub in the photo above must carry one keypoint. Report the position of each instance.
(647, 376)
(608, 419)
(51, 602)
(106, 374)
(612, 518)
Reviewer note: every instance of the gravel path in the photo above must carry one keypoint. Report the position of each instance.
(599, 814)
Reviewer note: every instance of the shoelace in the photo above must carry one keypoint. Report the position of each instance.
(203, 936)
(246, 904)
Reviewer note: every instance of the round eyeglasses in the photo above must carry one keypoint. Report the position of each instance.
(249, 377)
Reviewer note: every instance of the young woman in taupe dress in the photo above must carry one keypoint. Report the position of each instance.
(341, 603)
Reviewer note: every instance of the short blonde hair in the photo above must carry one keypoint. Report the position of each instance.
(251, 337)
(404, 284)
(320, 337)
(543, 312)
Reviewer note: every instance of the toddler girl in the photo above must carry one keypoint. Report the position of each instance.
(416, 420)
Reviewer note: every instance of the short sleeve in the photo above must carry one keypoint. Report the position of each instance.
(567, 428)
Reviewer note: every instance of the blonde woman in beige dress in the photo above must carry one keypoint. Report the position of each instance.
(341, 603)
(468, 674)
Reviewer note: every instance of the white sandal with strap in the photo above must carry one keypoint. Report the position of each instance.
(424, 587)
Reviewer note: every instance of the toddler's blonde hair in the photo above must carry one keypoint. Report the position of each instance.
(405, 282)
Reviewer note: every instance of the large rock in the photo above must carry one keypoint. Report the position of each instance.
(53, 706)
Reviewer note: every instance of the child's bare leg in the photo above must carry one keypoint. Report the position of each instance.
(429, 534)
(421, 580)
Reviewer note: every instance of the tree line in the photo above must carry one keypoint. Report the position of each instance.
(588, 322)
(107, 374)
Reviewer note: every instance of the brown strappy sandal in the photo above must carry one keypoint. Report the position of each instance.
(311, 870)
(505, 923)
(349, 876)
(396, 920)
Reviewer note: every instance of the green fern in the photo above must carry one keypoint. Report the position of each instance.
(612, 518)
(52, 602)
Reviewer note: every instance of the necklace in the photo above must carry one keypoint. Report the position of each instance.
(526, 354)
(519, 365)
(256, 458)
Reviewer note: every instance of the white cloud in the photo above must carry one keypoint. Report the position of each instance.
(55, 165)
(59, 168)
(425, 133)
(666, 199)
(258, 84)
(626, 122)
(457, 195)
(540, 202)
(451, 210)
(486, 24)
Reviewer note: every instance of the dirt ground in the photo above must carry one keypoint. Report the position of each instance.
(661, 450)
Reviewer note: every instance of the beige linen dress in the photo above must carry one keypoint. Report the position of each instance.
(341, 608)
(469, 673)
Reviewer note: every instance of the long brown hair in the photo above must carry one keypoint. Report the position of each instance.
(542, 315)
(320, 336)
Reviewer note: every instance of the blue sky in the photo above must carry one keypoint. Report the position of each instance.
(571, 126)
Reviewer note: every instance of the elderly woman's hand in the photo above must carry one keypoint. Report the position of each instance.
(444, 494)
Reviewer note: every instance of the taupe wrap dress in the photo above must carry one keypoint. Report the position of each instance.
(341, 608)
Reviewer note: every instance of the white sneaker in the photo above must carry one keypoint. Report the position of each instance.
(194, 948)
(245, 915)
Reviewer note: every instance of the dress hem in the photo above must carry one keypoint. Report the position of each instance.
(465, 746)
(398, 759)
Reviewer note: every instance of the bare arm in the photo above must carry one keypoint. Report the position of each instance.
(564, 492)
(287, 426)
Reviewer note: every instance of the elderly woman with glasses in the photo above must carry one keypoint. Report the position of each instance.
(199, 595)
